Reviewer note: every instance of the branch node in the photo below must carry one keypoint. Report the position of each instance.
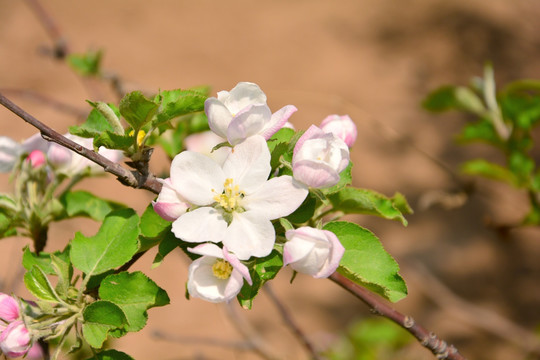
(408, 322)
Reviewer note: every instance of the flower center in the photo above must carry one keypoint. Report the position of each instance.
(230, 199)
(222, 269)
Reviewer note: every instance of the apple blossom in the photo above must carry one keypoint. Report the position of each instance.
(71, 163)
(10, 150)
(35, 352)
(205, 142)
(341, 126)
(233, 203)
(312, 251)
(242, 112)
(169, 204)
(319, 158)
(217, 276)
(15, 340)
(9, 308)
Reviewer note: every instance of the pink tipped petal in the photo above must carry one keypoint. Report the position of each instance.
(9, 308)
(15, 339)
(169, 204)
(219, 117)
(312, 132)
(196, 177)
(335, 256)
(234, 285)
(249, 164)
(207, 249)
(200, 225)
(294, 251)
(249, 235)
(278, 120)
(237, 265)
(247, 123)
(278, 197)
(341, 126)
(315, 174)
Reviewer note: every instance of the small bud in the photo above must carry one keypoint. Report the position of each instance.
(110, 116)
(341, 126)
(36, 159)
(15, 340)
(319, 158)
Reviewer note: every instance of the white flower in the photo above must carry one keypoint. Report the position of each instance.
(10, 150)
(312, 251)
(204, 142)
(341, 126)
(319, 158)
(236, 202)
(242, 112)
(217, 276)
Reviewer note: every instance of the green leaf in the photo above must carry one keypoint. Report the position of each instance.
(134, 293)
(87, 64)
(111, 140)
(94, 125)
(7, 227)
(43, 260)
(366, 262)
(454, 97)
(37, 283)
(279, 144)
(100, 317)
(63, 269)
(137, 110)
(363, 201)
(304, 211)
(481, 130)
(84, 203)
(178, 102)
(168, 243)
(489, 170)
(264, 269)
(111, 355)
(113, 245)
(152, 224)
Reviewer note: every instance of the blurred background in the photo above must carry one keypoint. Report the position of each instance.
(375, 61)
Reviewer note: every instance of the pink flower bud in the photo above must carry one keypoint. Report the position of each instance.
(319, 158)
(36, 158)
(341, 126)
(15, 340)
(312, 251)
(169, 204)
(35, 352)
(9, 308)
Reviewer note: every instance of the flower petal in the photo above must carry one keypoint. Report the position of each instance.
(336, 253)
(248, 122)
(10, 150)
(243, 95)
(207, 249)
(219, 117)
(237, 265)
(202, 283)
(248, 164)
(278, 120)
(316, 174)
(249, 235)
(169, 204)
(200, 225)
(278, 197)
(196, 177)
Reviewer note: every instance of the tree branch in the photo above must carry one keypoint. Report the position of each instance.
(428, 339)
(126, 177)
(287, 318)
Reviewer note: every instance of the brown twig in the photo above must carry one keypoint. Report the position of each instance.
(474, 315)
(287, 318)
(60, 49)
(428, 339)
(126, 177)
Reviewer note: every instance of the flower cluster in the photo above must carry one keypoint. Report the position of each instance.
(39, 152)
(15, 338)
(229, 201)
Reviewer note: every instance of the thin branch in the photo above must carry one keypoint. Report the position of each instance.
(126, 177)
(287, 318)
(428, 339)
(474, 315)
(60, 49)
(247, 331)
(192, 340)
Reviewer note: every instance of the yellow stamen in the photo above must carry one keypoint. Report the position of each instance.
(140, 136)
(231, 196)
(222, 269)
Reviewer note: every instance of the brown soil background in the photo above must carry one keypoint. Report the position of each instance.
(372, 60)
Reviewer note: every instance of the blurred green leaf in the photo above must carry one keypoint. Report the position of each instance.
(489, 170)
(87, 64)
